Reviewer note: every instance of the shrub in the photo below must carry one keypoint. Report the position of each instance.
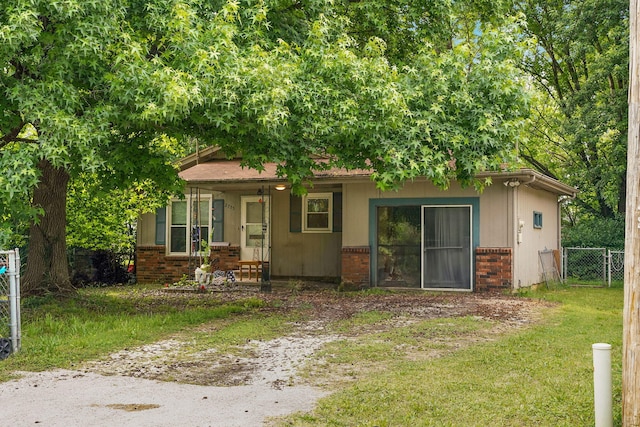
(595, 233)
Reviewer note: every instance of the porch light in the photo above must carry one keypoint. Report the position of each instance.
(280, 187)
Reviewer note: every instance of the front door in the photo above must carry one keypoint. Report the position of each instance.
(446, 247)
(254, 228)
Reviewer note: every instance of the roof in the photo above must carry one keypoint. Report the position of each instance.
(532, 179)
(200, 156)
(224, 171)
(231, 171)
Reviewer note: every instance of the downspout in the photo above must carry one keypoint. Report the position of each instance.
(516, 225)
(514, 237)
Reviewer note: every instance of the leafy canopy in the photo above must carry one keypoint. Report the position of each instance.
(579, 127)
(110, 91)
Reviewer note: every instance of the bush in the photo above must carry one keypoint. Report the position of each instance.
(98, 267)
(595, 233)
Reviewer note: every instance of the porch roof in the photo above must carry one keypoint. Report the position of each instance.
(230, 171)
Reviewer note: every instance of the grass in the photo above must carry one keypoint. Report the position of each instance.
(95, 322)
(238, 332)
(416, 373)
(539, 376)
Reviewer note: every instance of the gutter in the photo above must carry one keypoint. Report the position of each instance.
(532, 179)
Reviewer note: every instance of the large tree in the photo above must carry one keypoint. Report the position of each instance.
(60, 118)
(113, 88)
(578, 130)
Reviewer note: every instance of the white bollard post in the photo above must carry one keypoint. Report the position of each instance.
(602, 387)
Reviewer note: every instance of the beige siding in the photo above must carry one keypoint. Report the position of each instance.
(527, 265)
(355, 213)
(300, 254)
(496, 220)
(496, 209)
(146, 230)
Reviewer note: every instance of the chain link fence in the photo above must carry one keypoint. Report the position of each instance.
(616, 265)
(592, 266)
(9, 302)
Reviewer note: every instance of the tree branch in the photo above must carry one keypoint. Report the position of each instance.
(12, 136)
(537, 165)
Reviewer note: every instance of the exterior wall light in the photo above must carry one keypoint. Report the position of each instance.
(512, 183)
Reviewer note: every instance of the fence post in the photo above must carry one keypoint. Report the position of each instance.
(609, 268)
(14, 301)
(18, 291)
(604, 267)
(564, 264)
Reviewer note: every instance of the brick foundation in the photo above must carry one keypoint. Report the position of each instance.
(228, 256)
(493, 269)
(153, 266)
(356, 265)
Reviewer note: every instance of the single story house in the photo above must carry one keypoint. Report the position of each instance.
(346, 230)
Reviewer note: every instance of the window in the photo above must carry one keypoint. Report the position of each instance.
(317, 213)
(189, 223)
(178, 227)
(537, 219)
(217, 234)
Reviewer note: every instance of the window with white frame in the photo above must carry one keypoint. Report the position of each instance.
(189, 225)
(317, 213)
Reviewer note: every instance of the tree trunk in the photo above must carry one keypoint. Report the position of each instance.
(622, 195)
(631, 314)
(47, 265)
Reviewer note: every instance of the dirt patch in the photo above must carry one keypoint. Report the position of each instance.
(274, 363)
(132, 407)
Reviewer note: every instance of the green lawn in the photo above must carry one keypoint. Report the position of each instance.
(410, 375)
(61, 333)
(540, 376)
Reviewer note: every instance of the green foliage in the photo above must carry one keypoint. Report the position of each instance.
(595, 233)
(105, 219)
(114, 91)
(579, 127)
(121, 76)
(56, 61)
(446, 114)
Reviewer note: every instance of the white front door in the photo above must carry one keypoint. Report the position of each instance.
(254, 230)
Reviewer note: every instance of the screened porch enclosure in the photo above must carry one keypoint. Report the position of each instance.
(424, 246)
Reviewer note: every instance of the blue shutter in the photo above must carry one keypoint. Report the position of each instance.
(161, 226)
(295, 214)
(337, 212)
